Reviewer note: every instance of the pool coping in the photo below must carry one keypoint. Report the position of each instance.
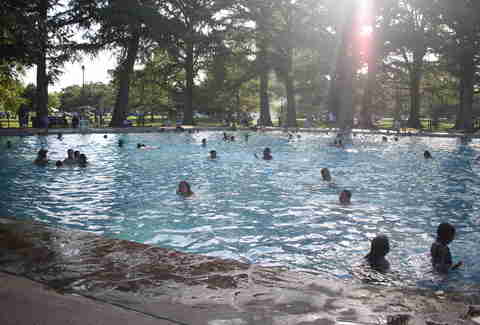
(202, 290)
(33, 131)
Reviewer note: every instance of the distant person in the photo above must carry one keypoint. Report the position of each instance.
(59, 164)
(120, 143)
(184, 189)
(60, 136)
(70, 160)
(204, 142)
(213, 155)
(378, 250)
(105, 136)
(440, 253)
(140, 145)
(246, 137)
(225, 136)
(267, 154)
(345, 197)
(384, 139)
(82, 160)
(326, 175)
(75, 121)
(9, 144)
(427, 154)
(76, 156)
(41, 159)
(232, 138)
(396, 139)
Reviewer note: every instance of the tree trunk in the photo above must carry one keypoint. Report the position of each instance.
(188, 100)
(367, 100)
(415, 97)
(265, 117)
(42, 76)
(125, 73)
(465, 116)
(290, 91)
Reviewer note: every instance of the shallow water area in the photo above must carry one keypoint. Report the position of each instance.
(276, 213)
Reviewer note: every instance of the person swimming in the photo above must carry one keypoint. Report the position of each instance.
(105, 136)
(384, 139)
(70, 157)
(82, 160)
(427, 154)
(232, 138)
(184, 189)
(9, 144)
(246, 137)
(213, 155)
(204, 142)
(60, 136)
(267, 154)
(41, 159)
(326, 174)
(379, 248)
(140, 145)
(120, 143)
(76, 156)
(59, 164)
(345, 197)
(440, 253)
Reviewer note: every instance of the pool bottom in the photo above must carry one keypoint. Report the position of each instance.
(207, 290)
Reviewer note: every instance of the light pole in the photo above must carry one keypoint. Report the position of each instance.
(83, 77)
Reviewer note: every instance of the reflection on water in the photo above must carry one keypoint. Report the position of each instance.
(275, 213)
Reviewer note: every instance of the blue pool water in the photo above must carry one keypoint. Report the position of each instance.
(273, 213)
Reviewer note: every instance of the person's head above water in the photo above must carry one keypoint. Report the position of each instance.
(140, 145)
(326, 174)
(59, 163)
(445, 233)
(267, 154)
(82, 160)
(204, 142)
(213, 154)
(427, 154)
(9, 144)
(345, 197)
(70, 153)
(379, 248)
(120, 143)
(76, 155)
(184, 189)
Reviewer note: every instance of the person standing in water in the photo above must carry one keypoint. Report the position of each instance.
(439, 251)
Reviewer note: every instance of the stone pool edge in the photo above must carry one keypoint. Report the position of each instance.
(197, 289)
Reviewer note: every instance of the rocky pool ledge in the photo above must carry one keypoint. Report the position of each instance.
(196, 289)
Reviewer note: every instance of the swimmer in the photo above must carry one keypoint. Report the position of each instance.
(59, 164)
(326, 175)
(384, 139)
(70, 158)
(396, 139)
(246, 137)
(204, 142)
(267, 154)
(232, 138)
(440, 253)
(9, 144)
(41, 159)
(82, 160)
(427, 154)
(378, 250)
(184, 189)
(76, 155)
(345, 197)
(120, 143)
(213, 155)
(105, 136)
(140, 145)
(225, 136)
(60, 136)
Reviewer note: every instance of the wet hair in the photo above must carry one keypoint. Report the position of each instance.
(213, 153)
(187, 185)
(139, 145)
(427, 154)
(348, 195)
(59, 163)
(445, 232)
(105, 136)
(77, 154)
(379, 248)
(120, 143)
(325, 174)
(42, 153)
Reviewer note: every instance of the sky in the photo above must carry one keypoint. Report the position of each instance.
(96, 70)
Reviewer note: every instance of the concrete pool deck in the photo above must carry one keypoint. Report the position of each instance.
(32, 131)
(57, 276)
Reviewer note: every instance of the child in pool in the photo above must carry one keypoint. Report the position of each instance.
(440, 253)
(184, 189)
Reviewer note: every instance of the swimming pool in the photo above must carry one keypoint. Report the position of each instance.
(276, 213)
